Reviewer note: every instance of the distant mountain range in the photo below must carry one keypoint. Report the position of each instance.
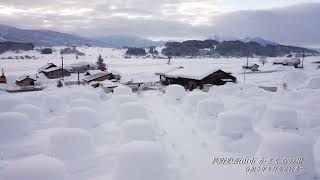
(53, 38)
(42, 37)
(129, 41)
(259, 40)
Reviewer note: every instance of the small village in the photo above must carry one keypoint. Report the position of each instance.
(99, 75)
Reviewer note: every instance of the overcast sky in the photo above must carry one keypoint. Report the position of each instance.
(286, 21)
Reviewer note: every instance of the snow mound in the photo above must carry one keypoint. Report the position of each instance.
(122, 90)
(82, 117)
(228, 88)
(70, 144)
(314, 83)
(82, 103)
(132, 110)
(194, 97)
(54, 104)
(279, 118)
(141, 161)
(294, 79)
(7, 103)
(137, 130)
(287, 145)
(233, 124)
(210, 108)
(175, 93)
(37, 167)
(120, 99)
(30, 110)
(82, 93)
(14, 125)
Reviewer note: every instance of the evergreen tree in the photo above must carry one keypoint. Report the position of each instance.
(101, 64)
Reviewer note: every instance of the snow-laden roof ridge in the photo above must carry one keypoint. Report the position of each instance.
(192, 73)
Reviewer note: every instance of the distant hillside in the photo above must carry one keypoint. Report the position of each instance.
(53, 38)
(119, 41)
(259, 40)
(212, 48)
(14, 46)
(42, 37)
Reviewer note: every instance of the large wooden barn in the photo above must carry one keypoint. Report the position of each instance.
(196, 78)
(55, 73)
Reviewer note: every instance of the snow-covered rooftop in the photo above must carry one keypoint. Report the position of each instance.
(82, 63)
(192, 73)
(51, 69)
(23, 77)
(168, 70)
(95, 76)
(46, 66)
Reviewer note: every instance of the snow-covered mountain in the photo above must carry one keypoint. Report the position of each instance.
(54, 38)
(42, 37)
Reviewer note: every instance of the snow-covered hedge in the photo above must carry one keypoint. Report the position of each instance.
(37, 167)
(141, 160)
(233, 124)
(120, 99)
(193, 98)
(175, 93)
(54, 104)
(288, 145)
(71, 144)
(14, 125)
(30, 110)
(210, 108)
(7, 103)
(132, 110)
(279, 118)
(82, 117)
(82, 103)
(137, 130)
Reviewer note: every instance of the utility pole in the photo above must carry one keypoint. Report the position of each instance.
(78, 76)
(248, 58)
(62, 64)
(244, 75)
(303, 55)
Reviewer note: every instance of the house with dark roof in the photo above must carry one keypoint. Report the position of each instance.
(100, 76)
(55, 73)
(253, 67)
(25, 80)
(196, 78)
(47, 66)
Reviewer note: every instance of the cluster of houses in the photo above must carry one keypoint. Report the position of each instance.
(51, 71)
(202, 78)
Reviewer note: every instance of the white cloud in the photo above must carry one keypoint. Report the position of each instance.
(169, 18)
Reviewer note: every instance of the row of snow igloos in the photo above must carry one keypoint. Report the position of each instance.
(79, 134)
(239, 121)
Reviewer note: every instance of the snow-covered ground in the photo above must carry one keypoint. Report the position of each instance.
(78, 132)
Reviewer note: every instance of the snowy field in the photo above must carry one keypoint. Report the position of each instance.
(82, 133)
